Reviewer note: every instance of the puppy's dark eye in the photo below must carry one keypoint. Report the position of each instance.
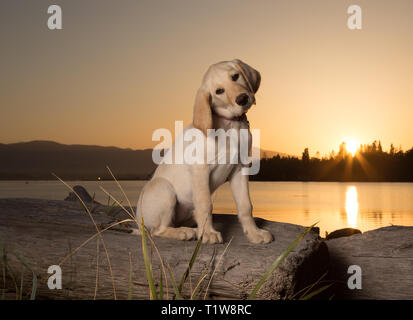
(235, 77)
(220, 91)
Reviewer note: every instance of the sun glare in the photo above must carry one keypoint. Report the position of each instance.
(352, 206)
(351, 146)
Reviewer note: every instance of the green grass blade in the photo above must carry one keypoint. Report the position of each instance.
(109, 210)
(7, 269)
(149, 274)
(13, 278)
(34, 281)
(130, 278)
(308, 288)
(316, 292)
(278, 261)
(194, 293)
(177, 293)
(190, 264)
(71, 265)
(216, 266)
(3, 264)
(21, 285)
(160, 285)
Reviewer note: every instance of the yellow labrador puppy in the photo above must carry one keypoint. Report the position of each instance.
(179, 195)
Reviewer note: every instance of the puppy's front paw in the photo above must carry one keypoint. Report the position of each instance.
(185, 233)
(259, 236)
(211, 236)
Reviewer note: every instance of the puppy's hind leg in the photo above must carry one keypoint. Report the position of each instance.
(180, 233)
(157, 205)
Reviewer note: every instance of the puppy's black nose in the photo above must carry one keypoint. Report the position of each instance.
(242, 99)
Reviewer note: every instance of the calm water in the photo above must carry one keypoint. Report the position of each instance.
(364, 206)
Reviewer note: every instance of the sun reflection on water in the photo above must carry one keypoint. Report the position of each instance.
(352, 206)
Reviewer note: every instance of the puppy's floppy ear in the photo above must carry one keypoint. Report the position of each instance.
(202, 111)
(252, 76)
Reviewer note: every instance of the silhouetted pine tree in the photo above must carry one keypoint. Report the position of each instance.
(371, 163)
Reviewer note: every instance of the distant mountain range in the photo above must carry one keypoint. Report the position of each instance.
(38, 159)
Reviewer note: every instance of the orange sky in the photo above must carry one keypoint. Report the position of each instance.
(119, 70)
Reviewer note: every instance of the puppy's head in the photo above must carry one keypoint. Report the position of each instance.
(228, 89)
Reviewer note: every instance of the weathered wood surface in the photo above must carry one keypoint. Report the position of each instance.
(44, 232)
(385, 257)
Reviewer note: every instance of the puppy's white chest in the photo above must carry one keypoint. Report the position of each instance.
(219, 175)
(226, 158)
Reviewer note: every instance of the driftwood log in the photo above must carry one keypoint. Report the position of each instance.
(44, 232)
(385, 258)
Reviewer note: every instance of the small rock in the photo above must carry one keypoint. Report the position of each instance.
(346, 232)
(82, 193)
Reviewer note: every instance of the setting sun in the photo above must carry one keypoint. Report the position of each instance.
(351, 145)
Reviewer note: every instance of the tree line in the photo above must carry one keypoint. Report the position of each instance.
(369, 163)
